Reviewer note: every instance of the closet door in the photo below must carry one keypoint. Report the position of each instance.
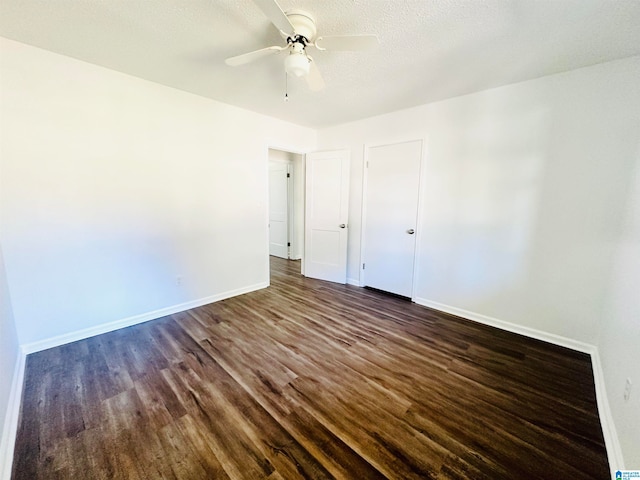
(391, 211)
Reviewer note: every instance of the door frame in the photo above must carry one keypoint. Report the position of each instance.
(420, 210)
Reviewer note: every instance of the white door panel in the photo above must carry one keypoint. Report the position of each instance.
(327, 208)
(391, 205)
(278, 210)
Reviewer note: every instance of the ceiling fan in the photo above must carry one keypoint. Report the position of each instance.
(298, 28)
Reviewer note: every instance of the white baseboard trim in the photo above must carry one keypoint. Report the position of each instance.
(136, 319)
(7, 442)
(614, 452)
(353, 281)
(508, 326)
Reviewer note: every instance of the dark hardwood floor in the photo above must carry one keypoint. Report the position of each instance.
(308, 379)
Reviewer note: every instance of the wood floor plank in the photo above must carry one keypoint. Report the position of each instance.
(309, 380)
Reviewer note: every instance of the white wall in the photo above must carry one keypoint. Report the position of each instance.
(114, 186)
(8, 360)
(620, 339)
(523, 189)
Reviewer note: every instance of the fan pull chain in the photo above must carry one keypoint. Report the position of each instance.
(286, 87)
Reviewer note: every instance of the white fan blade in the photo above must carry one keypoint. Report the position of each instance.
(347, 42)
(274, 13)
(314, 79)
(251, 56)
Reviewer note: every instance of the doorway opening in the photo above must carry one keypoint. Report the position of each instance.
(308, 211)
(286, 204)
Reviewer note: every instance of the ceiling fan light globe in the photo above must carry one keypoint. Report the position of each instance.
(297, 64)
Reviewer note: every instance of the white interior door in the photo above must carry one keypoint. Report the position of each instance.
(326, 213)
(391, 212)
(278, 210)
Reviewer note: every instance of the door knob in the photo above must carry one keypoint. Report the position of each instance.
(411, 231)
(342, 225)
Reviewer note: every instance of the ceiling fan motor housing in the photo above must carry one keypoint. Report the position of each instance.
(303, 25)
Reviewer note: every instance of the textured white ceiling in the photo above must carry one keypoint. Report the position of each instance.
(429, 49)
